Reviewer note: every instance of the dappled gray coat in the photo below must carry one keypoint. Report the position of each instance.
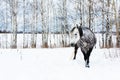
(87, 39)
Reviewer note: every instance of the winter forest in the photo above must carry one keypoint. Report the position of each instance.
(47, 23)
(35, 40)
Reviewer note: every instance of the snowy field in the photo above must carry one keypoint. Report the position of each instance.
(57, 64)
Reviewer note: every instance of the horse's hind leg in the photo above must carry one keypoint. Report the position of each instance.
(75, 52)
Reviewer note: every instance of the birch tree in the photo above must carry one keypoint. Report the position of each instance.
(51, 23)
(65, 26)
(64, 23)
(90, 8)
(24, 22)
(34, 25)
(107, 24)
(103, 21)
(108, 38)
(44, 27)
(118, 29)
(117, 22)
(78, 8)
(14, 24)
(6, 23)
(91, 14)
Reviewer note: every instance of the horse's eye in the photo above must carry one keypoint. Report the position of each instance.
(75, 34)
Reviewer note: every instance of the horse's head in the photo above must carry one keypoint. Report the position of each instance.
(74, 35)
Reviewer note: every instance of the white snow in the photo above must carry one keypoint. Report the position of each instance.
(57, 64)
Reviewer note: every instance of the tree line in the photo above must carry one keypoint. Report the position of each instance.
(49, 17)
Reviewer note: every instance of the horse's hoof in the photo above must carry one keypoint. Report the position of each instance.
(87, 66)
(74, 58)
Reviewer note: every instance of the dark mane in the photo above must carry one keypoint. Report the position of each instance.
(80, 31)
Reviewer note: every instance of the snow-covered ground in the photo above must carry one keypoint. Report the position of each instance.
(57, 64)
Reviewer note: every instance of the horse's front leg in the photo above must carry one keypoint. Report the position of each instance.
(88, 55)
(75, 52)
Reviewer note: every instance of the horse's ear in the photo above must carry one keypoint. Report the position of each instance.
(80, 24)
(77, 25)
(72, 29)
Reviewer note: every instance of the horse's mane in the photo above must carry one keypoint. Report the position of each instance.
(80, 30)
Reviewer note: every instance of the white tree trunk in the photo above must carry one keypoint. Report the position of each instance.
(44, 26)
(24, 22)
(103, 43)
(34, 25)
(108, 40)
(6, 26)
(14, 24)
(117, 23)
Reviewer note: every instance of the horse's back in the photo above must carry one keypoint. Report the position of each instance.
(88, 36)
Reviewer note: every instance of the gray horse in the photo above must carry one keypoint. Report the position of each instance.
(84, 38)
